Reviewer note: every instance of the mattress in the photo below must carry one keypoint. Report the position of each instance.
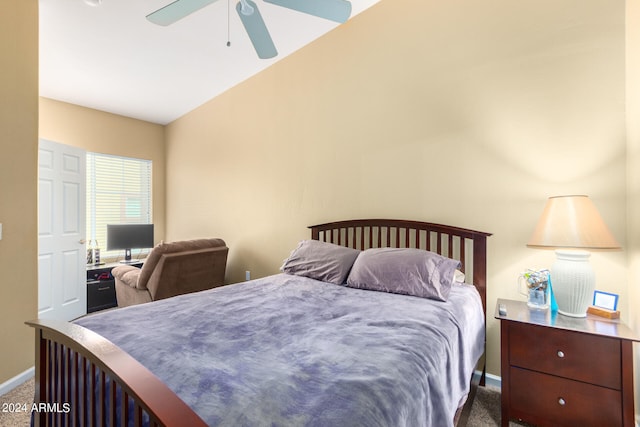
(287, 350)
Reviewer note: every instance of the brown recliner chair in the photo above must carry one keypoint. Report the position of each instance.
(172, 269)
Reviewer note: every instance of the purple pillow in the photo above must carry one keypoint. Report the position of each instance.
(321, 261)
(404, 271)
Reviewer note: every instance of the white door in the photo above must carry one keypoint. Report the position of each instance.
(62, 285)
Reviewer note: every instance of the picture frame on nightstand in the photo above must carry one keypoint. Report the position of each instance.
(605, 300)
(605, 304)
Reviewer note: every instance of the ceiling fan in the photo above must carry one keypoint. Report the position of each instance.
(334, 10)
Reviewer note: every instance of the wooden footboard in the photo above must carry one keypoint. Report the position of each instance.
(80, 378)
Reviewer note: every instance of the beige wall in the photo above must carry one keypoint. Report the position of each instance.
(101, 132)
(468, 114)
(18, 210)
(633, 183)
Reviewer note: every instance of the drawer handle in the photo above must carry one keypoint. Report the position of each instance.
(562, 402)
(105, 288)
(561, 354)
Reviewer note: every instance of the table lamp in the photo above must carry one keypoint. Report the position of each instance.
(572, 224)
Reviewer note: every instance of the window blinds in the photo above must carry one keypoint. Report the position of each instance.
(118, 192)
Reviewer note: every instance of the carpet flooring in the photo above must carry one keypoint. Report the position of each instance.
(484, 413)
(21, 395)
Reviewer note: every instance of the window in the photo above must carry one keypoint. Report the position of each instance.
(118, 192)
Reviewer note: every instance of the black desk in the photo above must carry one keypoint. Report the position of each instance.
(101, 286)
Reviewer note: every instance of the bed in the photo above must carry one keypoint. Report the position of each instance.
(284, 350)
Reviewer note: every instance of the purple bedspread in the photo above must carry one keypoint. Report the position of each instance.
(291, 351)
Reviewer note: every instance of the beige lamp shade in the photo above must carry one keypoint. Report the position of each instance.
(572, 222)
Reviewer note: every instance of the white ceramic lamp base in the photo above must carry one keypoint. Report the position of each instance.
(573, 282)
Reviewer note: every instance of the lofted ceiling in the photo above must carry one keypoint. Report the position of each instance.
(109, 57)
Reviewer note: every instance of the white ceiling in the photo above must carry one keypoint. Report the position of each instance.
(109, 57)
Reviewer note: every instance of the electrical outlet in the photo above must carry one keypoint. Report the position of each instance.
(247, 275)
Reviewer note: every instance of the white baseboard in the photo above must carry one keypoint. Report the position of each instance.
(19, 379)
(491, 380)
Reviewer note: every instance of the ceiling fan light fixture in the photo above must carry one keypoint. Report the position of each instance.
(93, 3)
(256, 29)
(245, 8)
(334, 10)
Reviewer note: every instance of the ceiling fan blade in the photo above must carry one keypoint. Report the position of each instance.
(256, 29)
(177, 10)
(333, 10)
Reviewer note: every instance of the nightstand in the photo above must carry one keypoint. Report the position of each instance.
(565, 371)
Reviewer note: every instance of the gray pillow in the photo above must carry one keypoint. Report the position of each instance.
(321, 261)
(404, 271)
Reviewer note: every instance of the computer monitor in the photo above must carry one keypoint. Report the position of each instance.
(129, 236)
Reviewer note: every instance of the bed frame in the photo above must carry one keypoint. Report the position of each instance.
(74, 364)
(467, 246)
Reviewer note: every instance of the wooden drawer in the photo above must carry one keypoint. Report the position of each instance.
(578, 356)
(582, 404)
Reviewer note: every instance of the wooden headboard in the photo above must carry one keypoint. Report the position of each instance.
(467, 246)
